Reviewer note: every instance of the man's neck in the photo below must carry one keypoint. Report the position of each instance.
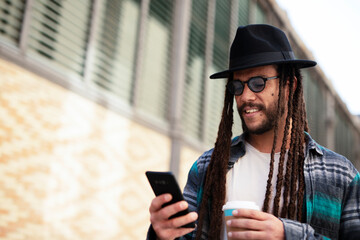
(264, 142)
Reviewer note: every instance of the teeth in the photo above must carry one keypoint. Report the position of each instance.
(251, 111)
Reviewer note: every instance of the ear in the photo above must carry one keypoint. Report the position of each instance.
(295, 84)
(288, 85)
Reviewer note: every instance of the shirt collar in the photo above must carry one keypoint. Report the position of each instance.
(237, 149)
(312, 145)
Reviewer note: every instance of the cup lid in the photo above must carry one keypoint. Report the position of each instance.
(240, 204)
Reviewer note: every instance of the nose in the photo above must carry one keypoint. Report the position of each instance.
(247, 95)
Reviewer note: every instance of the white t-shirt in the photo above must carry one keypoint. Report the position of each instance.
(247, 180)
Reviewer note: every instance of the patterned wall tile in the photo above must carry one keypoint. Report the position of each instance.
(187, 159)
(69, 168)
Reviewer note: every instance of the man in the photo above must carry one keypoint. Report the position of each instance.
(305, 190)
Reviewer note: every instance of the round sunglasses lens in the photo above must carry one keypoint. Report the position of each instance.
(256, 84)
(230, 88)
(237, 88)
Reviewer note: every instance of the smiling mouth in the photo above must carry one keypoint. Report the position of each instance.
(251, 110)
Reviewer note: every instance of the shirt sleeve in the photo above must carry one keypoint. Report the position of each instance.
(297, 230)
(350, 216)
(349, 222)
(192, 188)
(151, 235)
(190, 195)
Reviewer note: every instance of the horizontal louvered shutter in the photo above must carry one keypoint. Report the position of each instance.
(59, 33)
(345, 142)
(260, 16)
(193, 97)
(243, 19)
(153, 97)
(115, 47)
(316, 112)
(11, 18)
(243, 12)
(220, 63)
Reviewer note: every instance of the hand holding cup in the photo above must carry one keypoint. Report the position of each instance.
(228, 209)
(244, 220)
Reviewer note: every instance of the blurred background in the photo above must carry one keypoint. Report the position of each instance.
(95, 92)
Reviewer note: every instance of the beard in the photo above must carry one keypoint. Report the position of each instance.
(268, 122)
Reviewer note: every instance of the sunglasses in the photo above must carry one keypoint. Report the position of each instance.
(256, 84)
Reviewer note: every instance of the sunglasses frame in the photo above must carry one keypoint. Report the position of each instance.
(231, 88)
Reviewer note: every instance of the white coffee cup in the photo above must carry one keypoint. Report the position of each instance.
(230, 206)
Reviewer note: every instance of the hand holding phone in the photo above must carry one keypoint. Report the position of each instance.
(165, 182)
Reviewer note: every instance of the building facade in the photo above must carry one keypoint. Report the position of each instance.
(94, 93)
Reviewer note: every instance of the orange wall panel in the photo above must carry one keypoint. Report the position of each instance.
(69, 168)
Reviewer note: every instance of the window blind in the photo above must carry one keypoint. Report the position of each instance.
(220, 62)
(344, 137)
(115, 47)
(260, 16)
(59, 33)
(243, 12)
(154, 84)
(11, 17)
(316, 112)
(193, 97)
(243, 19)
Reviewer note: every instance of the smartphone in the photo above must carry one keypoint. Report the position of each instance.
(165, 182)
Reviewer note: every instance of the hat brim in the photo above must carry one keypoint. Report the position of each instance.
(298, 62)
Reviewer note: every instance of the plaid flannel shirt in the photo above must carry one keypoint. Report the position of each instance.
(332, 194)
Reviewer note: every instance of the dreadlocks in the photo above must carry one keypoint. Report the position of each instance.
(215, 178)
(292, 183)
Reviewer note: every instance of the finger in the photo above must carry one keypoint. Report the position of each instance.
(166, 212)
(250, 213)
(181, 221)
(248, 235)
(172, 228)
(157, 202)
(272, 226)
(172, 209)
(245, 223)
(183, 231)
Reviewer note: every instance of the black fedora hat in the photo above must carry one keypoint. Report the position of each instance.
(259, 45)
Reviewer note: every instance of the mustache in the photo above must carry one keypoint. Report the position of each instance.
(251, 105)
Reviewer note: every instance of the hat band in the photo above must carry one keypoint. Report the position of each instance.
(262, 58)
